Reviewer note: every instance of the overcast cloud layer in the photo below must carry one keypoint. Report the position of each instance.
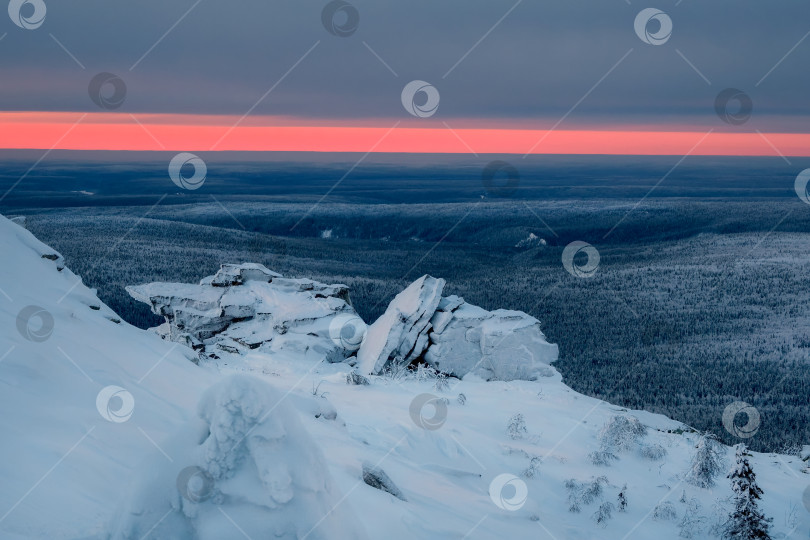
(536, 64)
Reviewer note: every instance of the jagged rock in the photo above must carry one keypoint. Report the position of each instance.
(247, 307)
(400, 335)
(494, 345)
(376, 478)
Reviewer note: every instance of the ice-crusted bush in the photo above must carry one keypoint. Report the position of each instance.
(653, 452)
(622, 433)
(604, 513)
(516, 428)
(584, 493)
(602, 458)
(622, 499)
(665, 511)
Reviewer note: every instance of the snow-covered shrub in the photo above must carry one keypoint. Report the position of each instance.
(516, 428)
(622, 433)
(604, 513)
(462, 399)
(706, 463)
(534, 467)
(665, 511)
(584, 493)
(441, 383)
(653, 452)
(602, 458)
(622, 499)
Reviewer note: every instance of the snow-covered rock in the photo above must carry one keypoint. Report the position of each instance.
(246, 307)
(400, 335)
(249, 466)
(494, 345)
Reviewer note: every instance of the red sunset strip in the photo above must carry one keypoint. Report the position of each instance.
(156, 133)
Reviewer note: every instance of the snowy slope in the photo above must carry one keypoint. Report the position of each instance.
(63, 464)
(78, 475)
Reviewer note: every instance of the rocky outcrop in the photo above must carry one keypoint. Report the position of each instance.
(455, 337)
(247, 306)
(494, 345)
(400, 335)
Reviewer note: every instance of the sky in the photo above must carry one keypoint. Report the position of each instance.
(521, 77)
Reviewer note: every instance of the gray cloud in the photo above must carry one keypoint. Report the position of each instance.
(537, 63)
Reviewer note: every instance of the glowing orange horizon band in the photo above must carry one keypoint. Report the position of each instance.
(156, 132)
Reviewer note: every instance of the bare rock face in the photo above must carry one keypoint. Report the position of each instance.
(400, 335)
(247, 306)
(494, 345)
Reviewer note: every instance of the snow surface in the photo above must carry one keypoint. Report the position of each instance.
(68, 473)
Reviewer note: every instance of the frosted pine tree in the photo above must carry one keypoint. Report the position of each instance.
(746, 522)
(706, 463)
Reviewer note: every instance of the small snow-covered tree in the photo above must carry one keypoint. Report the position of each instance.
(604, 513)
(621, 432)
(746, 521)
(706, 463)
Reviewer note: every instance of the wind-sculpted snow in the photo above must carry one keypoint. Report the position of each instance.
(256, 468)
(246, 307)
